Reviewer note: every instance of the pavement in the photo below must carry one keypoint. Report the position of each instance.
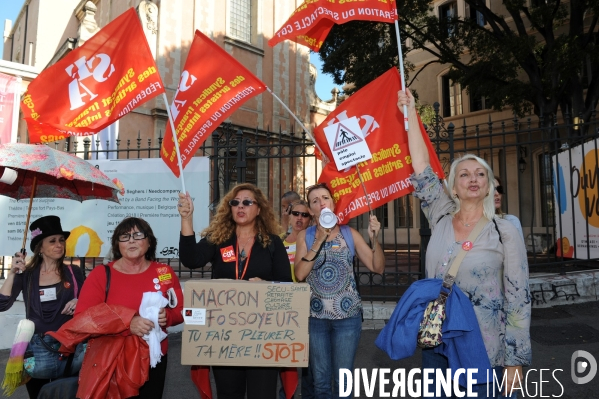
(557, 332)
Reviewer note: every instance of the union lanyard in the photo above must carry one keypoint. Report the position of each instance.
(247, 262)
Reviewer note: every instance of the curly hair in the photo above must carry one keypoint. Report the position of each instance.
(222, 226)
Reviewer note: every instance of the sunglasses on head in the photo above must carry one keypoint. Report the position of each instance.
(499, 189)
(297, 213)
(245, 202)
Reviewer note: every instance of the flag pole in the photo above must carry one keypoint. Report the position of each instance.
(324, 157)
(170, 119)
(401, 74)
(368, 202)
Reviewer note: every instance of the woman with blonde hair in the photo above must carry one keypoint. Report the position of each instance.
(494, 272)
(241, 243)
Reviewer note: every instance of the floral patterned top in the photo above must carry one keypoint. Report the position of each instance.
(493, 275)
(333, 291)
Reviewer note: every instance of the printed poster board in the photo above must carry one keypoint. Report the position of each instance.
(151, 193)
(243, 323)
(576, 189)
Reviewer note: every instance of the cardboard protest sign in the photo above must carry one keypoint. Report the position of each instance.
(243, 323)
(347, 143)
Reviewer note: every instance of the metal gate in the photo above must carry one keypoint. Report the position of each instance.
(519, 151)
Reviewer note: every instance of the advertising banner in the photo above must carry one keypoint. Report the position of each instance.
(8, 105)
(150, 192)
(577, 201)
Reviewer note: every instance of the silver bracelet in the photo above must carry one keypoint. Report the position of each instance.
(313, 250)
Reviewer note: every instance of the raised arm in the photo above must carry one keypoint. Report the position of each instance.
(185, 207)
(418, 150)
(374, 261)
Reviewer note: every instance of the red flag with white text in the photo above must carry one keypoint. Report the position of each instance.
(212, 86)
(311, 22)
(94, 85)
(386, 175)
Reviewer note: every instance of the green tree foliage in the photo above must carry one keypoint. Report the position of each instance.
(536, 56)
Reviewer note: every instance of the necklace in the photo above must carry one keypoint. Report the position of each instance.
(242, 254)
(467, 224)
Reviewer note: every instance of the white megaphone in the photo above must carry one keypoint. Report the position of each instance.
(327, 218)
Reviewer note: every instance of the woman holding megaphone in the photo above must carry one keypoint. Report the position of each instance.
(324, 259)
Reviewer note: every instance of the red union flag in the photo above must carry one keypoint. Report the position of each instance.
(386, 175)
(311, 22)
(94, 85)
(212, 86)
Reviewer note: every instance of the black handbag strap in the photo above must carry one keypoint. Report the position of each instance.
(107, 268)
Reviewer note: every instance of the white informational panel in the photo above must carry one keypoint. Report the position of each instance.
(151, 193)
(347, 143)
(576, 187)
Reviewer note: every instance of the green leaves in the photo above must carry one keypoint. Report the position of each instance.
(531, 55)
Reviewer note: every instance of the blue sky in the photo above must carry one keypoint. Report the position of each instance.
(324, 82)
(9, 9)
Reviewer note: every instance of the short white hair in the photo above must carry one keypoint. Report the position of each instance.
(489, 201)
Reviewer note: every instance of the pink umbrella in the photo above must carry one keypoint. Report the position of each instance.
(43, 172)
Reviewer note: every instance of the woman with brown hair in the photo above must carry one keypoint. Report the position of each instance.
(241, 243)
(50, 289)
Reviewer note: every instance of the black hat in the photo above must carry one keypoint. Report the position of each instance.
(44, 227)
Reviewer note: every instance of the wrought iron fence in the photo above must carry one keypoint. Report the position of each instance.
(521, 152)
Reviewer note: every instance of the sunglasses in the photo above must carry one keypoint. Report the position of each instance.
(499, 189)
(138, 235)
(297, 213)
(235, 202)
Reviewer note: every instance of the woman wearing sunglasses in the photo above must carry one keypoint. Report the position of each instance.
(510, 218)
(324, 259)
(299, 220)
(241, 243)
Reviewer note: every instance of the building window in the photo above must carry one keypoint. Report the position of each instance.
(452, 97)
(448, 12)
(240, 19)
(547, 204)
(382, 215)
(475, 15)
(403, 212)
(478, 103)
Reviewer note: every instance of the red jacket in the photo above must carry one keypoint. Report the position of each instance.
(115, 365)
